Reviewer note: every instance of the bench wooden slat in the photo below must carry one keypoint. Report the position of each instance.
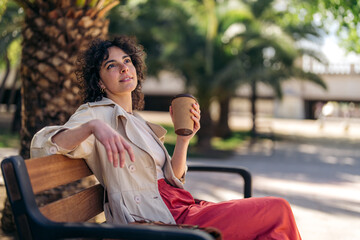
(13, 189)
(55, 170)
(76, 208)
(67, 213)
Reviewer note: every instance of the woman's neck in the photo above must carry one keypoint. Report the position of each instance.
(124, 101)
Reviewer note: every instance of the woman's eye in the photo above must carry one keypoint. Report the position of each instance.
(110, 66)
(127, 60)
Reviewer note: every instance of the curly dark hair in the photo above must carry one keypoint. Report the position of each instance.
(90, 61)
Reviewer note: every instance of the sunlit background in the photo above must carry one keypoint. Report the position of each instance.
(278, 83)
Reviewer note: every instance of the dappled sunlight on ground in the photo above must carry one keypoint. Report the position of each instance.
(210, 186)
(320, 179)
(335, 160)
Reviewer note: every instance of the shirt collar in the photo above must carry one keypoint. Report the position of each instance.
(119, 111)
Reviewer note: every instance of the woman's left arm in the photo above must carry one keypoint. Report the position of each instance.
(178, 160)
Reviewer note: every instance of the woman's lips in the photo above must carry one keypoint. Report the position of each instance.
(126, 79)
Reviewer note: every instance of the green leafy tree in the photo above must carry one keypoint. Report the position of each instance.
(171, 36)
(11, 16)
(343, 16)
(196, 39)
(267, 53)
(184, 37)
(200, 55)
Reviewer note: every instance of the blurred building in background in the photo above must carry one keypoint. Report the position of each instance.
(301, 99)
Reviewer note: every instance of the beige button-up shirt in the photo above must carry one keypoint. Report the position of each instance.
(132, 190)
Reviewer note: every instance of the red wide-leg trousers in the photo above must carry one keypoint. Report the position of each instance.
(252, 218)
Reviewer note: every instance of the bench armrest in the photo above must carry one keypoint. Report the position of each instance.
(111, 231)
(244, 173)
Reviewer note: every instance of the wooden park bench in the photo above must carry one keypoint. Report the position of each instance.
(67, 218)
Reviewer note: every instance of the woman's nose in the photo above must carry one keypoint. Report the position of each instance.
(124, 68)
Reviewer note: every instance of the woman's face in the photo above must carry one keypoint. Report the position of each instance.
(117, 73)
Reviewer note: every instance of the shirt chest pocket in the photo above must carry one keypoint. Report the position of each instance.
(140, 204)
(143, 159)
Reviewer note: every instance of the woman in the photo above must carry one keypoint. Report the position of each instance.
(128, 157)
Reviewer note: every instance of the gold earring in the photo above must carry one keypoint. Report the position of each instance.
(102, 90)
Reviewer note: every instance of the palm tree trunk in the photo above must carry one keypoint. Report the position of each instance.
(222, 129)
(7, 71)
(206, 131)
(52, 40)
(54, 33)
(16, 122)
(253, 98)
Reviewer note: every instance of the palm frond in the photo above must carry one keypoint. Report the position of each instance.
(309, 76)
(234, 16)
(230, 76)
(315, 54)
(259, 7)
(10, 26)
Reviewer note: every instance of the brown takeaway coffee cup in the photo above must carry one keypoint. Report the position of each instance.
(181, 105)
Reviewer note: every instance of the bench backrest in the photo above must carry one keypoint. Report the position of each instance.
(52, 171)
(43, 174)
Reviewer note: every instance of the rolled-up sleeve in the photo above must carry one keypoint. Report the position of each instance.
(42, 144)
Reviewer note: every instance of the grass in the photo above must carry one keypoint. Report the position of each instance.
(231, 143)
(9, 140)
(221, 147)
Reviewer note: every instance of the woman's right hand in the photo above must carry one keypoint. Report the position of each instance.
(115, 145)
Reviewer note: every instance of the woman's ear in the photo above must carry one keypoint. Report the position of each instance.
(101, 84)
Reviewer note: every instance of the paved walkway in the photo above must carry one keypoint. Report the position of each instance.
(321, 180)
(316, 168)
(330, 128)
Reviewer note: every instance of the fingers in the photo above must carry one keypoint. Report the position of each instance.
(116, 151)
(123, 148)
(196, 124)
(115, 145)
(196, 106)
(109, 152)
(171, 113)
(196, 115)
(120, 152)
(196, 109)
(129, 151)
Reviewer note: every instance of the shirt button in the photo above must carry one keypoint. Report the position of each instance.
(132, 168)
(137, 199)
(53, 150)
